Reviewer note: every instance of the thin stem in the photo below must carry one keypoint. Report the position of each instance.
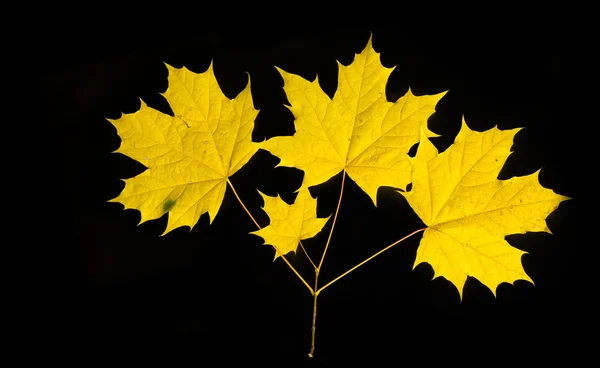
(242, 203)
(314, 319)
(337, 210)
(276, 249)
(307, 256)
(317, 269)
(366, 260)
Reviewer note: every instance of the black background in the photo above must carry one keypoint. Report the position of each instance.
(214, 292)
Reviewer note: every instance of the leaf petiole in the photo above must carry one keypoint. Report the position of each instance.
(307, 256)
(367, 260)
(337, 210)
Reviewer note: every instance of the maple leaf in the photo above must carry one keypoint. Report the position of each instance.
(189, 156)
(290, 223)
(358, 130)
(469, 211)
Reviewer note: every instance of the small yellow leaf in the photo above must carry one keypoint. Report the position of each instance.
(290, 223)
(358, 130)
(189, 157)
(469, 211)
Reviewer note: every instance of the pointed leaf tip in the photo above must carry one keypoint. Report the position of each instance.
(370, 41)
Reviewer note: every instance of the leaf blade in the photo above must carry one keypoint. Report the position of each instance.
(290, 223)
(469, 212)
(189, 156)
(358, 130)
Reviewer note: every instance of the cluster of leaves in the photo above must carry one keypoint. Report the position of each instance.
(468, 211)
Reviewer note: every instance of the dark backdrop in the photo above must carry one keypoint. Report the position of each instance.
(215, 292)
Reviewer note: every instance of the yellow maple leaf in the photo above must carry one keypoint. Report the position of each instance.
(290, 223)
(358, 130)
(189, 157)
(469, 211)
